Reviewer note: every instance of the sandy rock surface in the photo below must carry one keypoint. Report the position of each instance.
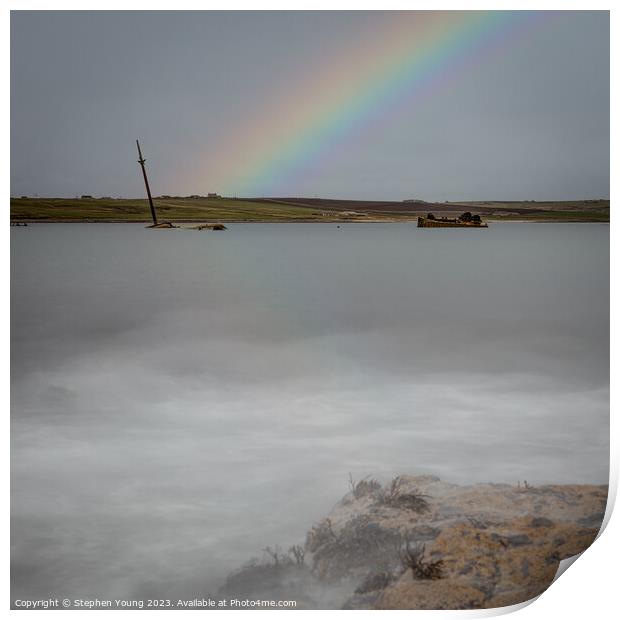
(420, 543)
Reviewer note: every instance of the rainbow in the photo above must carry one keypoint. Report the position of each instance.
(405, 57)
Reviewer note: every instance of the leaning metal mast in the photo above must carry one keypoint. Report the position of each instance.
(146, 182)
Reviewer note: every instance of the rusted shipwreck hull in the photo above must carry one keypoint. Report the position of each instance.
(445, 222)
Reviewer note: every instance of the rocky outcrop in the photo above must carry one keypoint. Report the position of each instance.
(420, 543)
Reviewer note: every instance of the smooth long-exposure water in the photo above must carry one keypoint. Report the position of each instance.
(181, 399)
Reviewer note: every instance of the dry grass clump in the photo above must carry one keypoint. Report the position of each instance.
(298, 553)
(413, 557)
(364, 487)
(320, 535)
(394, 496)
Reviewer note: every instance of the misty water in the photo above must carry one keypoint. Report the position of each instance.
(181, 399)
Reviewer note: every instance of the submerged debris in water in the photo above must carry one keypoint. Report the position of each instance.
(211, 227)
(163, 225)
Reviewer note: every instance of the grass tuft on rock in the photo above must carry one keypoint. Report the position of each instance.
(412, 557)
(396, 497)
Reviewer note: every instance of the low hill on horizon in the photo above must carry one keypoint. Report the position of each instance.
(292, 209)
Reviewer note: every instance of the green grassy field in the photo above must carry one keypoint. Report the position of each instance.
(556, 216)
(289, 210)
(112, 210)
(560, 211)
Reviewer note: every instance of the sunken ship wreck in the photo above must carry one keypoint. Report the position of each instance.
(466, 220)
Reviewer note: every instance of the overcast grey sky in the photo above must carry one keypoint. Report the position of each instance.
(527, 120)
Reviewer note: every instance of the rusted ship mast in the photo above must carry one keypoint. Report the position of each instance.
(141, 161)
(155, 223)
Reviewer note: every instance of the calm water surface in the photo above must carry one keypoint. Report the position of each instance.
(182, 399)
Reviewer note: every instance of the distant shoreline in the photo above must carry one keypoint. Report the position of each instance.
(280, 221)
(198, 209)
